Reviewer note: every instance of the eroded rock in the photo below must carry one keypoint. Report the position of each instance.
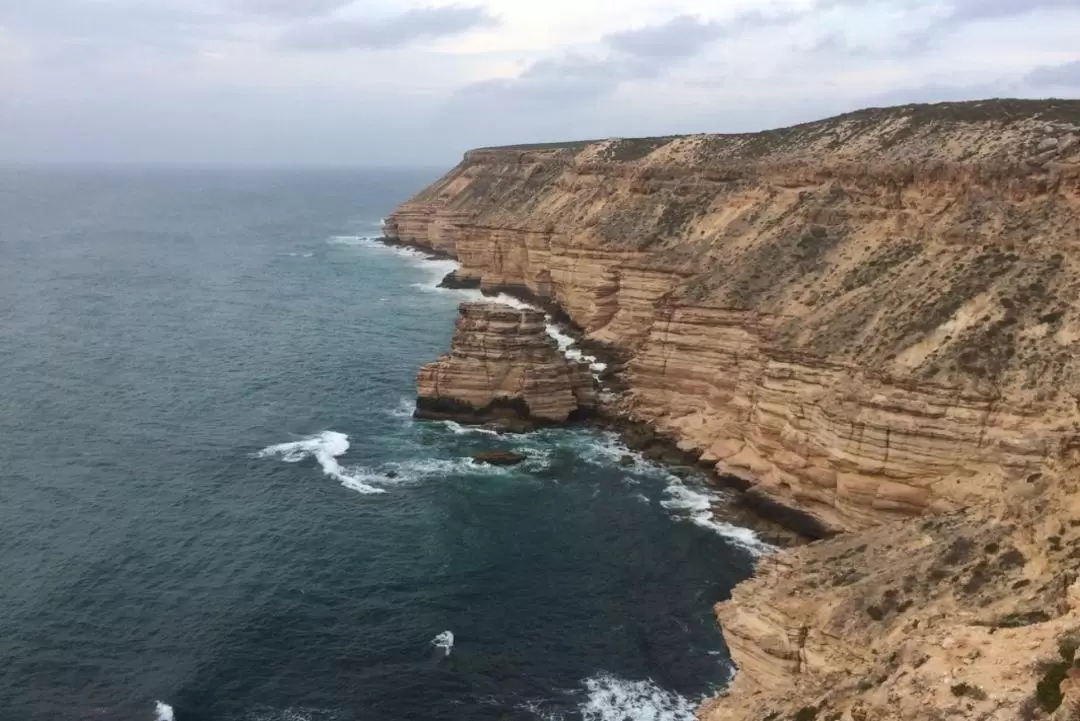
(504, 369)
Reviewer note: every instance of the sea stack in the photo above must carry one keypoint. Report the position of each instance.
(503, 368)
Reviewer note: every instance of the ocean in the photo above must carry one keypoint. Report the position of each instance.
(215, 505)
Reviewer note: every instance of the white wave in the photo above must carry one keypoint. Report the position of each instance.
(404, 408)
(568, 345)
(697, 506)
(606, 448)
(425, 468)
(536, 708)
(643, 498)
(163, 711)
(611, 698)
(326, 448)
(459, 430)
(444, 641)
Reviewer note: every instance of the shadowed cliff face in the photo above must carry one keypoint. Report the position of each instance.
(872, 319)
(869, 317)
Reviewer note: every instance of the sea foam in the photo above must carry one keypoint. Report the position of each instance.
(326, 448)
(163, 711)
(696, 504)
(611, 698)
(444, 641)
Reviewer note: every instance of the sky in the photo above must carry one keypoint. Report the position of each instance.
(418, 82)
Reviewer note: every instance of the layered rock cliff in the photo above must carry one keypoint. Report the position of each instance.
(871, 319)
(867, 318)
(503, 368)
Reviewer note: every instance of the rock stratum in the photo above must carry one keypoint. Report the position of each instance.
(871, 320)
(504, 369)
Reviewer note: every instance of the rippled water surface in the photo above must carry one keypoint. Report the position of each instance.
(214, 504)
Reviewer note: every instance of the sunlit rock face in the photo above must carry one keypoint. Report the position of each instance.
(503, 367)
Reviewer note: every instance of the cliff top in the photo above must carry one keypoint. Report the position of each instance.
(931, 129)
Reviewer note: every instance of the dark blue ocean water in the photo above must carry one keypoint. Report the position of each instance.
(162, 334)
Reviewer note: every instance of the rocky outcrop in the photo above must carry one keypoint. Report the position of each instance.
(969, 615)
(867, 318)
(503, 368)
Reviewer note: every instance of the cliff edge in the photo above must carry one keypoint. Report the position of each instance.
(872, 320)
(866, 318)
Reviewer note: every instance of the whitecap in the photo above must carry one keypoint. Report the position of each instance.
(404, 408)
(163, 711)
(459, 430)
(696, 506)
(611, 698)
(606, 448)
(326, 448)
(444, 641)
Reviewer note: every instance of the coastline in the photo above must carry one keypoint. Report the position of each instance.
(781, 526)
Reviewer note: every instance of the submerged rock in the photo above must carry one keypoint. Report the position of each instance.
(499, 458)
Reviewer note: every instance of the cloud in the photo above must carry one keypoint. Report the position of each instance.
(291, 8)
(680, 37)
(965, 11)
(641, 53)
(1066, 75)
(390, 32)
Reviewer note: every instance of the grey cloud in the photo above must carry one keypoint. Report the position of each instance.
(680, 37)
(637, 54)
(390, 32)
(964, 11)
(291, 8)
(1066, 75)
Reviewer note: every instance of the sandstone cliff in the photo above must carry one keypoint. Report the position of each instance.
(867, 318)
(872, 319)
(503, 368)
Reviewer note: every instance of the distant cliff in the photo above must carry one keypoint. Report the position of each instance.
(868, 319)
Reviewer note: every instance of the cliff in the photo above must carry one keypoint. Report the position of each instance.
(867, 318)
(503, 368)
(872, 320)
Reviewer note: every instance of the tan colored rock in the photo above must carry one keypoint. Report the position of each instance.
(877, 311)
(871, 319)
(503, 365)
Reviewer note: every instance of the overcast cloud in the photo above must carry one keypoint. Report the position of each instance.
(388, 82)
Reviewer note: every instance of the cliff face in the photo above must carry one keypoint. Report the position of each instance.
(503, 368)
(872, 319)
(972, 615)
(868, 318)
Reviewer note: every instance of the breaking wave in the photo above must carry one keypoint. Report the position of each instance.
(163, 711)
(611, 698)
(697, 506)
(404, 409)
(326, 448)
(444, 642)
(459, 430)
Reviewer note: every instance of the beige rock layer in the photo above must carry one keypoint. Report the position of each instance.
(869, 318)
(503, 364)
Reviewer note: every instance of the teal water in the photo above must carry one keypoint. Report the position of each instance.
(214, 504)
